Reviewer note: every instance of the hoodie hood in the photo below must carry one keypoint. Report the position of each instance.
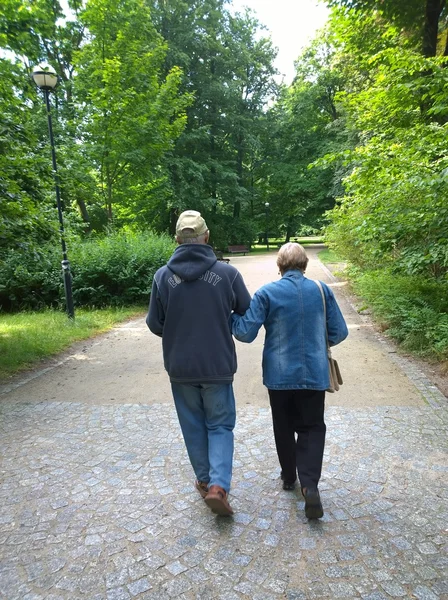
(190, 261)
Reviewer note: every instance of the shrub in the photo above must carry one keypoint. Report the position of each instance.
(413, 309)
(31, 278)
(307, 230)
(116, 270)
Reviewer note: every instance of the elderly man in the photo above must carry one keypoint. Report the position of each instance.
(192, 300)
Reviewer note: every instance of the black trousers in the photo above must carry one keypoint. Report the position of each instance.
(301, 413)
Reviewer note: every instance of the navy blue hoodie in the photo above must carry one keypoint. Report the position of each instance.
(191, 302)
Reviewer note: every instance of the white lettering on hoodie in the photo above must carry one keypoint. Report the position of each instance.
(208, 276)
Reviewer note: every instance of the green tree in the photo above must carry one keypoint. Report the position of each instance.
(26, 217)
(229, 70)
(392, 208)
(38, 31)
(426, 22)
(305, 125)
(252, 85)
(131, 115)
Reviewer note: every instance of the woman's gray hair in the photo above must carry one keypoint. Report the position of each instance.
(292, 257)
(189, 239)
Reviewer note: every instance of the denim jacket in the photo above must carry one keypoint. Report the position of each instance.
(292, 312)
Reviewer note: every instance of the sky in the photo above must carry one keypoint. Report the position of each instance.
(292, 25)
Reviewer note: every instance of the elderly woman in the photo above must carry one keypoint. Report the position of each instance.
(295, 366)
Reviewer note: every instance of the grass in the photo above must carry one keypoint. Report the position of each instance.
(275, 243)
(328, 256)
(26, 338)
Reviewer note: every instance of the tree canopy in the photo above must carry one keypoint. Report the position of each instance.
(167, 105)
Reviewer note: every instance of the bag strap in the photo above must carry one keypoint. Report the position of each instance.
(319, 285)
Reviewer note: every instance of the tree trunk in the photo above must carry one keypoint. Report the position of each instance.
(433, 11)
(239, 172)
(173, 221)
(109, 196)
(83, 210)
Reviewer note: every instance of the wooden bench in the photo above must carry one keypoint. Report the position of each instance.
(220, 256)
(239, 249)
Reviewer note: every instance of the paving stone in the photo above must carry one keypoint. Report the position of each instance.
(328, 556)
(427, 548)
(393, 589)
(342, 590)
(139, 587)
(421, 592)
(98, 502)
(176, 567)
(118, 594)
(295, 595)
(426, 572)
(375, 596)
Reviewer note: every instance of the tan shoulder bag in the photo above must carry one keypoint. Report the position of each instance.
(333, 367)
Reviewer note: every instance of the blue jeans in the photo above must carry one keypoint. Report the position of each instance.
(207, 418)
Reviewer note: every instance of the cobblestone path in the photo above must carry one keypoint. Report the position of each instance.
(97, 503)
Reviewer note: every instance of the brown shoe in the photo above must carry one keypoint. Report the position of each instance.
(216, 499)
(202, 487)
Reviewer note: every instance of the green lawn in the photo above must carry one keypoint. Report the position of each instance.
(275, 243)
(329, 256)
(26, 338)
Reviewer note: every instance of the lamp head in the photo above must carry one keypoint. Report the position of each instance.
(45, 77)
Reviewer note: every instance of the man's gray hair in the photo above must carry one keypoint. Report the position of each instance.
(292, 257)
(187, 237)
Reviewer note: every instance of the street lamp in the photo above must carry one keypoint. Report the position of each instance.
(266, 210)
(46, 79)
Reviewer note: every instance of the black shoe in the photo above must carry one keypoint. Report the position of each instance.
(313, 505)
(287, 485)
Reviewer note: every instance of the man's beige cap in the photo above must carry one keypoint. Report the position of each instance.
(190, 224)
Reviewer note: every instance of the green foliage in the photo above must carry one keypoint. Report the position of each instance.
(420, 20)
(392, 209)
(114, 114)
(131, 114)
(303, 126)
(116, 270)
(413, 310)
(160, 107)
(395, 209)
(25, 210)
(229, 69)
(26, 338)
(225, 231)
(31, 278)
(34, 31)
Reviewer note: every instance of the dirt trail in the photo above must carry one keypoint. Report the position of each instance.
(125, 365)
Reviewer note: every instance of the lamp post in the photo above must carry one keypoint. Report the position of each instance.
(266, 209)
(46, 79)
